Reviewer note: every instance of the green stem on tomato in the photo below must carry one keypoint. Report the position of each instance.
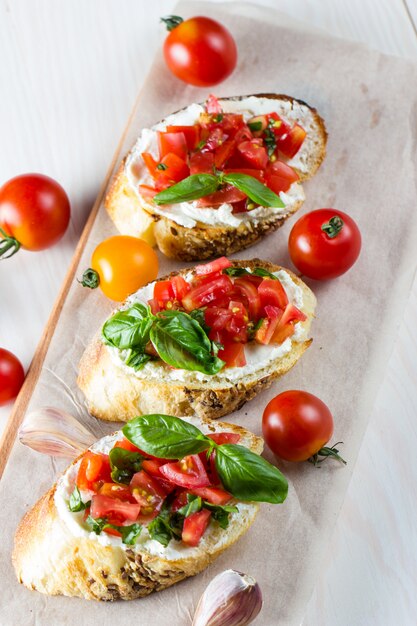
(326, 452)
(333, 227)
(8, 245)
(90, 279)
(172, 21)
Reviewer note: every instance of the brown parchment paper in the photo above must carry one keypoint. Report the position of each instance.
(370, 172)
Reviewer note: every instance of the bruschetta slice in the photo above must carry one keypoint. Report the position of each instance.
(200, 341)
(213, 179)
(122, 522)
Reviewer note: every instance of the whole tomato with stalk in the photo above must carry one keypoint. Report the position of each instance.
(121, 265)
(34, 213)
(296, 425)
(200, 51)
(324, 244)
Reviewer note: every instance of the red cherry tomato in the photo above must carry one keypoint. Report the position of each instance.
(12, 376)
(34, 212)
(195, 526)
(296, 425)
(324, 243)
(199, 51)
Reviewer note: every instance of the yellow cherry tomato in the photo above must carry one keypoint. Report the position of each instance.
(121, 265)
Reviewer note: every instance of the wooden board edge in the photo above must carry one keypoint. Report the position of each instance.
(15, 418)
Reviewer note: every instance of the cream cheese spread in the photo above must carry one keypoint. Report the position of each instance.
(187, 214)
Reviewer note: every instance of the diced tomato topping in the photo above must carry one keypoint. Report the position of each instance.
(213, 105)
(280, 176)
(254, 153)
(173, 169)
(214, 141)
(292, 314)
(218, 265)
(258, 124)
(147, 192)
(105, 506)
(154, 304)
(232, 122)
(233, 354)
(149, 162)
(215, 495)
(290, 143)
(112, 531)
(223, 152)
(172, 142)
(180, 501)
(122, 492)
(204, 294)
(180, 287)
(282, 332)
(191, 134)
(202, 163)
(228, 194)
(220, 438)
(217, 317)
(152, 467)
(126, 444)
(249, 290)
(188, 473)
(163, 292)
(243, 134)
(93, 468)
(272, 292)
(279, 126)
(148, 493)
(195, 526)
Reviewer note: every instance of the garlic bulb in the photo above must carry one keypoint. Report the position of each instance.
(54, 432)
(231, 599)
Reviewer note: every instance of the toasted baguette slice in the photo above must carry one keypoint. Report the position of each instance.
(196, 240)
(115, 392)
(50, 558)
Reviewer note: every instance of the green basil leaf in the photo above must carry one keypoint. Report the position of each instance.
(165, 526)
(75, 503)
(124, 463)
(198, 316)
(194, 504)
(220, 513)
(181, 342)
(191, 188)
(129, 534)
(259, 271)
(254, 126)
(96, 524)
(256, 191)
(136, 359)
(248, 476)
(165, 437)
(242, 271)
(129, 328)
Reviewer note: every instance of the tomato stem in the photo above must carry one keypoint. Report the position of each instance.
(326, 452)
(90, 279)
(8, 245)
(333, 227)
(172, 21)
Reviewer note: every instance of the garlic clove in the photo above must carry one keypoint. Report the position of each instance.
(54, 432)
(230, 599)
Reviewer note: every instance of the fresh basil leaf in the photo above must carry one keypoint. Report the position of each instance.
(181, 342)
(248, 476)
(129, 534)
(129, 328)
(254, 126)
(75, 503)
(193, 505)
(165, 437)
(256, 191)
(165, 526)
(198, 316)
(96, 524)
(137, 360)
(124, 463)
(220, 513)
(191, 188)
(259, 271)
(236, 271)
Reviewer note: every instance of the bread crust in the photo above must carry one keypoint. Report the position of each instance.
(203, 241)
(47, 558)
(114, 394)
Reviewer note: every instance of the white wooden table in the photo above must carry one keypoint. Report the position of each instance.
(69, 74)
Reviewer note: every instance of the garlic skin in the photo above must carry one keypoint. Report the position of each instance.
(54, 432)
(230, 599)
